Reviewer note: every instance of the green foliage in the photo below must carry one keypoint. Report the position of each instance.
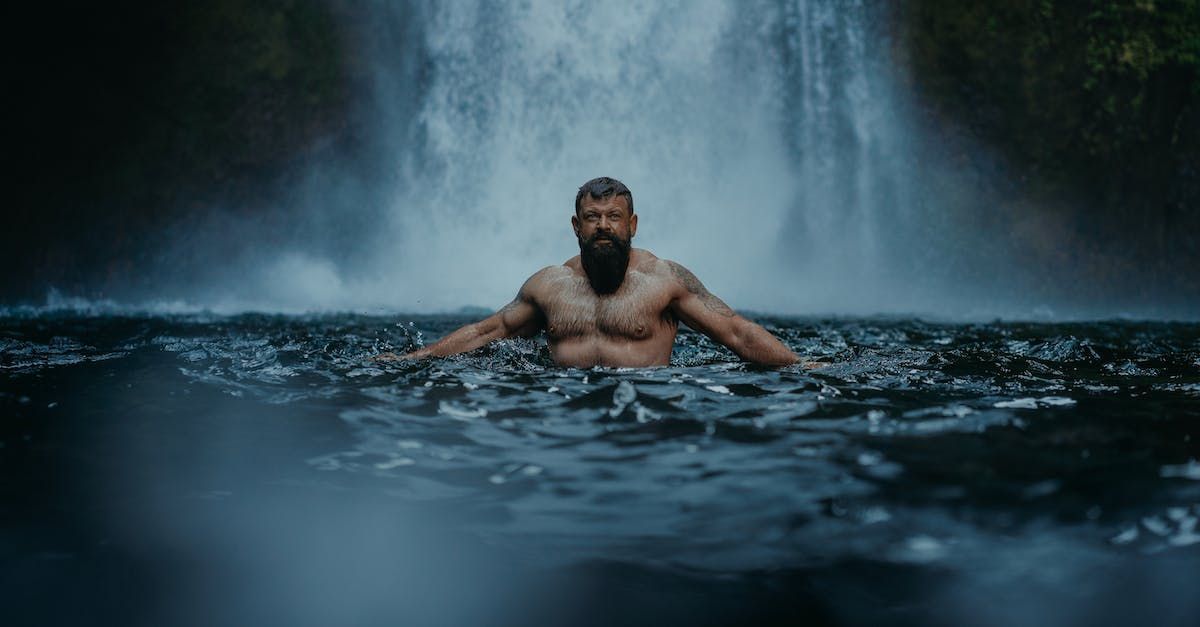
(142, 112)
(1093, 95)
(1096, 106)
(1131, 49)
(251, 83)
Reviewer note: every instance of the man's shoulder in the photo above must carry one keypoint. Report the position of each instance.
(676, 276)
(549, 274)
(645, 261)
(652, 264)
(573, 264)
(664, 272)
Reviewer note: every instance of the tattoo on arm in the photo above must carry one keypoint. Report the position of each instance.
(693, 285)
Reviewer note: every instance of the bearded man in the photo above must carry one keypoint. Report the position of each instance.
(613, 305)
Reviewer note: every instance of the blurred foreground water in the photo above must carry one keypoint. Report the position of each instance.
(211, 470)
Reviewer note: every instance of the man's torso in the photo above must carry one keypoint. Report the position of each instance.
(631, 327)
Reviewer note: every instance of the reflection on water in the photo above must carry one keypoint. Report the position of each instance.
(927, 467)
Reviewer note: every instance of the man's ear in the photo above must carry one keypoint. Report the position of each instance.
(632, 225)
(575, 224)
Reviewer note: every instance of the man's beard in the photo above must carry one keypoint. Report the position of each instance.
(604, 264)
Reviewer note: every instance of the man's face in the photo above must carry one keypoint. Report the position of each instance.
(601, 220)
(604, 228)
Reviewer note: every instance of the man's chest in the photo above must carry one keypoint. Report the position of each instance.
(638, 310)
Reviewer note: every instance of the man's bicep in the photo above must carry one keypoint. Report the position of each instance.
(518, 318)
(522, 317)
(698, 308)
(707, 318)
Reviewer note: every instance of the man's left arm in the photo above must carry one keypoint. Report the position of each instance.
(698, 308)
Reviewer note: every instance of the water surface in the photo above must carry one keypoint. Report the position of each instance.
(202, 469)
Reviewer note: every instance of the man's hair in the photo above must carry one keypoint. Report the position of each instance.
(604, 187)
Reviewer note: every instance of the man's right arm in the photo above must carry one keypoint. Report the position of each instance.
(520, 318)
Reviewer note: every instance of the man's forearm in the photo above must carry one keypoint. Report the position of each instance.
(756, 344)
(462, 340)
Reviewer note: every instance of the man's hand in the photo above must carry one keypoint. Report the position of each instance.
(700, 310)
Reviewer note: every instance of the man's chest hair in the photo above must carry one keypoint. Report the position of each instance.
(635, 310)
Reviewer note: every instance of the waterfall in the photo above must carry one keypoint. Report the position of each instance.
(765, 143)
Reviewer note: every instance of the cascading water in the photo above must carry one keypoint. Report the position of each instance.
(764, 142)
(848, 141)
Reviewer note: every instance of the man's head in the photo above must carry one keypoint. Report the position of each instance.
(604, 224)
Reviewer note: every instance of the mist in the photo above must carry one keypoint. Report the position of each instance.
(780, 150)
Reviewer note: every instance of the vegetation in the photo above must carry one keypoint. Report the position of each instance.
(1095, 102)
(136, 113)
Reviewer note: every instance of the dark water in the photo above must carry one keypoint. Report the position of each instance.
(262, 470)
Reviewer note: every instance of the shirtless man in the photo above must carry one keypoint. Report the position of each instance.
(613, 305)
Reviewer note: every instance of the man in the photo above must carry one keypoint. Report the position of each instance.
(613, 305)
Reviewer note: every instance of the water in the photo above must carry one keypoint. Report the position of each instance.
(201, 469)
(773, 139)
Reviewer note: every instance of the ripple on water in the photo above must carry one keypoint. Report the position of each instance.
(917, 442)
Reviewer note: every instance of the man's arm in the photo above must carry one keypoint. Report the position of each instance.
(520, 318)
(700, 310)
